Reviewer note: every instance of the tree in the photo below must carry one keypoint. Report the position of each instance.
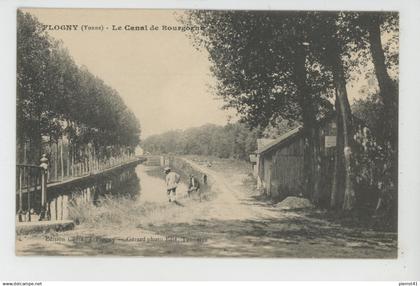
(234, 140)
(265, 72)
(262, 67)
(57, 98)
(360, 35)
(33, 51)
(336, 39)
(372, 23)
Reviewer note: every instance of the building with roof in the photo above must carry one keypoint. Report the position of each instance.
(279, 163)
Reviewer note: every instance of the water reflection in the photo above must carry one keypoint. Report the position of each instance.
(112, 186)
(145, 184)
(152, 184)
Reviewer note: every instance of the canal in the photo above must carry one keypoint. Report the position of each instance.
(152, 186)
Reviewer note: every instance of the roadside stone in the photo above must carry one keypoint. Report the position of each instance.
(293, 203)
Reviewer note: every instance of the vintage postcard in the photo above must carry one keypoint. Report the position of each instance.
(228, 133)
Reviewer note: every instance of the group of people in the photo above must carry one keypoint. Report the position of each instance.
(172, 180)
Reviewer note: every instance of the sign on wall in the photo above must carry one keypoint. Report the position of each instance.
(330, 141)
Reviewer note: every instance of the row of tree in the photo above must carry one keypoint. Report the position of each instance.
(296, 66)
(230, 141)
(56, 98)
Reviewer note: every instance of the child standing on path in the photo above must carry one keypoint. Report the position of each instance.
(172, 180)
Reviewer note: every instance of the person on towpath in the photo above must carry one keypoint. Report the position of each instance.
(172, 181)
(194, 185)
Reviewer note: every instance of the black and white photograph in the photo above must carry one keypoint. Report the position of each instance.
(207, 133)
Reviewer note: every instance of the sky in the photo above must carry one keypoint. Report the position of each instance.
(161, 77)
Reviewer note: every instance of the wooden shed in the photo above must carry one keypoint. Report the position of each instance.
(280, 163)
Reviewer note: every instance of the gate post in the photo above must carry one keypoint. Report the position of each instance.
(44, 171)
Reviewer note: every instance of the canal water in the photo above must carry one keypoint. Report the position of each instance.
(152, 185)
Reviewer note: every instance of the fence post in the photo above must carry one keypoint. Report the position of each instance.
(44, 208)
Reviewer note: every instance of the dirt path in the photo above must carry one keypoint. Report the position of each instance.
(230, 202)
(231, 223)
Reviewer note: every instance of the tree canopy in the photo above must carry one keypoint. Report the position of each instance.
(277, 65)
(56, 97)
(231, 141)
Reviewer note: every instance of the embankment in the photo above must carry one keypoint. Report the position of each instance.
(185, 169)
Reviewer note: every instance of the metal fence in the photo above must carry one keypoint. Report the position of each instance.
(29, 182)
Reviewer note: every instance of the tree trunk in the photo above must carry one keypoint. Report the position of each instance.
(316, 163)
(68, 150)
(56, 161)
(387, 88)
(389, 94)
(73, 170)
(345, 116)
(310, 129)
(35, 147)
(337, 188)
(24, 152)
(61, 158)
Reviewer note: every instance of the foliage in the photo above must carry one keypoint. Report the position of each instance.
(370, 110)
(231, 141)
(55, 97)
(286, 65)
(373, 161)
(254, 56)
